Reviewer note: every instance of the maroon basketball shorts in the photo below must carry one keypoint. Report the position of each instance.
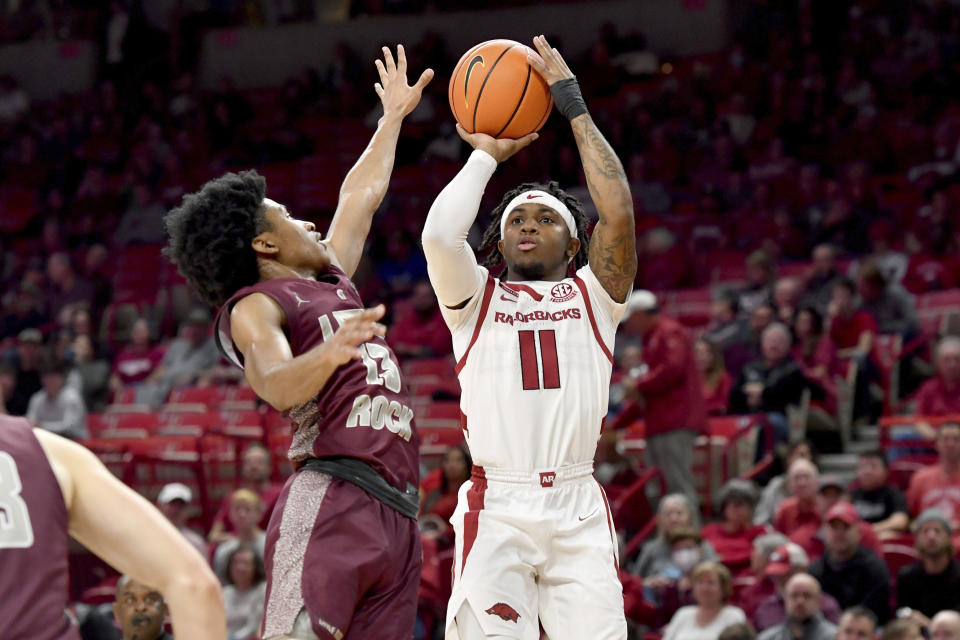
(349, 560)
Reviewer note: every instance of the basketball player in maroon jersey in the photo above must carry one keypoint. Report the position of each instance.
(343, 546)
(51, 489)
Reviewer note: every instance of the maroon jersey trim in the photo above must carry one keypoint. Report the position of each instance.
(593, 321)
(516, 287)
(484, 305)
(613, 539)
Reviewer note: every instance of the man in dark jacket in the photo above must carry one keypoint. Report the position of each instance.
(848, 571)
(933, 583)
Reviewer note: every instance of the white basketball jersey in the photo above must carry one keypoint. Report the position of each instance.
(534, 361)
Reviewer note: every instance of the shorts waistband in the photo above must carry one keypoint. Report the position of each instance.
(541, 478)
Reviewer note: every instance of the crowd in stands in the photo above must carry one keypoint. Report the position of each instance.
(800, 186)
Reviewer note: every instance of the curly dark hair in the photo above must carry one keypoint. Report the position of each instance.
(488, 245)
(210, 234)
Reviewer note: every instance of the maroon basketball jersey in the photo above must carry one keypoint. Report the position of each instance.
(33, 540)
(362, 411)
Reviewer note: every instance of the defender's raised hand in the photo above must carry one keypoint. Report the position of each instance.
(397, 96)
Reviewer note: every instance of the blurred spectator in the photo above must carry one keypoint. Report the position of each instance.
(142, 221)
(798, 513)
(401, 266)
(68, 291)
(786, 299)
(755, 586)
(816, 354)
(786, 561)
(669, 586)
(891, 307)
(26, 361)
(940, 395)
(777, 490)
(244, 593)
(21, 310)
(761, 273)
(245, 512)
(665, 263)
(823, 274)
(90, 374)
(932, 584)
(902, 629)
(881, 505)
(772, 384)
(730, 332)
(732, 538)
(140, 611)
(188, 356)
(851, 329)
(418, 329)
(675, 512)
(137, 360)
(739, 631)
(716, 381)
(848, 571)
(455, 467)
(255, 470)
(56, 407)
(938, 486)
(857, 623)
(173, 501)
(803, 617)
(945, 626)
(831, 491)
(8, 380)
(711, 614)
(671, 391)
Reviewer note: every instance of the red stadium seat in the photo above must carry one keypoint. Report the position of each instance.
(207, 396)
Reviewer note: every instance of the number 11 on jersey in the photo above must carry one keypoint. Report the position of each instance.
(530, 365)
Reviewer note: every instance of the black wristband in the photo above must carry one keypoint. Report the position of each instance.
(567, 96)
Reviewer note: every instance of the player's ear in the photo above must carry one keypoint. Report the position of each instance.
(265, 243)
(573, 246)
(500, 246)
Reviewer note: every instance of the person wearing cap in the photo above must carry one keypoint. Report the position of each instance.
(191, 353)
(670, 388)
(732, 538)
(26, 361)
(786, 561)
(803, 619)
(938, 486)
(755, 587)
(57, 407)
(173, 501)
(931, 584)
(848, 571)
(883, 506)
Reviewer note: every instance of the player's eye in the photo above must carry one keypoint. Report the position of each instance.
(546, 220)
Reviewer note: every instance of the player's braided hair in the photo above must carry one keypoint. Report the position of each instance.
(210, 235)
(488, 245)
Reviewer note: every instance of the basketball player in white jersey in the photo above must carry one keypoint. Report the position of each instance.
(534, 533)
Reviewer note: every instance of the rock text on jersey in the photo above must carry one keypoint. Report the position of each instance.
(379, 412)
(534, 316)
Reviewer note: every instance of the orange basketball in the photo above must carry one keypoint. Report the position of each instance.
(494, 90)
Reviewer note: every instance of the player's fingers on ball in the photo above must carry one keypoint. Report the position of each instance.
(536, 60)
(463, 133)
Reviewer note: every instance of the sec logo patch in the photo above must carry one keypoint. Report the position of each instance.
(562, 292)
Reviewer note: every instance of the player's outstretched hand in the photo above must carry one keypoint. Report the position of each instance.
(548, 61)
(345, 344)
(499, 148)
(396, 95)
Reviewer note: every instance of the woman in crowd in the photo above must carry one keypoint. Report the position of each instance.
(675, 512)
(732, 537)
(716, 380)
(711, 614)
(455, 469)
(244, 593)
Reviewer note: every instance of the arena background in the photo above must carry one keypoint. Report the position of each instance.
(752, 133)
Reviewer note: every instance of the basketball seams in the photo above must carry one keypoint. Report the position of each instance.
(453, 82)
(476, 106)
(523, 93)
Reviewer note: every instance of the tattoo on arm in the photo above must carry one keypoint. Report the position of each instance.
(613, 253)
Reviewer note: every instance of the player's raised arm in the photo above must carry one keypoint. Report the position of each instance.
(130, 534)
(451, 265)
(613, 252)
(366, 183)
(256, 326)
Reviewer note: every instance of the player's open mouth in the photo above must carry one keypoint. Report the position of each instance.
(526, 245)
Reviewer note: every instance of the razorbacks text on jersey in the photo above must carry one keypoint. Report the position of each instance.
(534, 360)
